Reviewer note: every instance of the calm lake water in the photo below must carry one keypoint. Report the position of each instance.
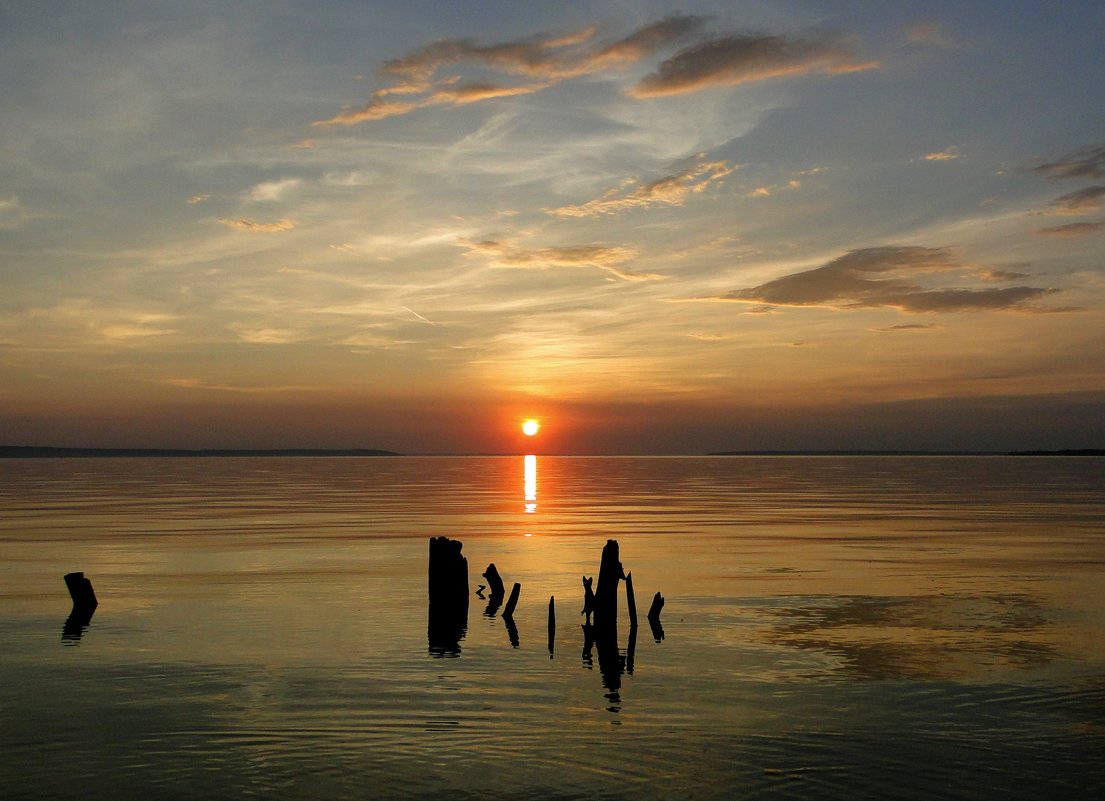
(848, 627)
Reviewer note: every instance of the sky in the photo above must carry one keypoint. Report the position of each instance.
(773, 225)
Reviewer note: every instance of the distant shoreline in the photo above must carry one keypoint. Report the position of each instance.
(44, 452)
(50, 452)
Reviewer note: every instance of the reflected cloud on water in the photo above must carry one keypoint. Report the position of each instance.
(935, 637)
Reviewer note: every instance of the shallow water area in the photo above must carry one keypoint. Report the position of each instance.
(835, 627)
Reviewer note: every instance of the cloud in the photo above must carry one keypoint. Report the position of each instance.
(273, 190)
(544, 59)
(737, 59)
(670, 190)
(259, 228)
(947, 154)
(907, 327)
(1086, 163)
(1073, 229)
(602, 257)
(875, 277)
(475, 92)
(1081, 201)
(1001, 275)
(194, 199)
(927, 33)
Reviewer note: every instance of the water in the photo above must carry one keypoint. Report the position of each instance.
(835, 628)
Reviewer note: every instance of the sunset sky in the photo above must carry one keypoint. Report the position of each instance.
(657, 229)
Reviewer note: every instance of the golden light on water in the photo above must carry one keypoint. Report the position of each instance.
(530, 483)
(530, 427)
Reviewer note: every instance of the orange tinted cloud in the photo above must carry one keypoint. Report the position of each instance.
(670, 190)
(259, 228)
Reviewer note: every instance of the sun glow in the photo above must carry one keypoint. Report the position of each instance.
(530, 427)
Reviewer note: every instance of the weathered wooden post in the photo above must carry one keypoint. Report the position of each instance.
(448, 589)
(84, 606)
(552, 624)
(512, 601)
(654, 617)
(606, 594)
(80, 590)
(629, 600)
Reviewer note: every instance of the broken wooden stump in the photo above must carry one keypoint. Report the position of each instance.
(657, 606)
(512, 601)
(448, 589)
(588, 600)
(494, 581)
(84, 606)
(80, 590)
(606, 594)
(654, 617)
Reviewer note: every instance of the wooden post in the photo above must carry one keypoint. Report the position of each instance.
(654, 617)
(552, 624)
(629, 600)
(512, 601)
(448, 588)
(606, 594)
(80, 590)
(494, 581)
(448, 572)
(657, 606)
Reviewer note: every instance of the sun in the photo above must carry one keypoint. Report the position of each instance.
(530, 427)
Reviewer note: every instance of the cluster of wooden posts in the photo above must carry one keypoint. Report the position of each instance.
(449, 598)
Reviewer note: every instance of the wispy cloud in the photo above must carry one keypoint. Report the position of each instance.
(947, 154)
(927, 33)
(603, 257)
(670, 190)
(1081, 201)
(273, 190)
(912, 327)
(1086, 163)
(257, 227)
(737, 59)
(544, 60)
(877, 277)
(1073, 229)
(1001, 275)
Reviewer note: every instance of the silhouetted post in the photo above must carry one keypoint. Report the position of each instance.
(654, 617)
(448, 585)
(588, 600)
(511, 630)
(512, 601)
(494, 581)
(629, 600)
(606, 595)
(552, 624)
(657, 606)
(84, 606)
(80, 590)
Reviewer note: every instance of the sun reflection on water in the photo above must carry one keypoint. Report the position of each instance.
(530, 483)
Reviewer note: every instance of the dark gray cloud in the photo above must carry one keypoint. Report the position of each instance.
(1086, 163)
(877, 277)
(1082, 200)
(1073, 229)
(737, 59)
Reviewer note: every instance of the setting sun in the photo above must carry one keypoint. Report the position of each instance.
(530, 427)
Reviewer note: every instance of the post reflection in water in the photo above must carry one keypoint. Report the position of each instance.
(530, 483)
